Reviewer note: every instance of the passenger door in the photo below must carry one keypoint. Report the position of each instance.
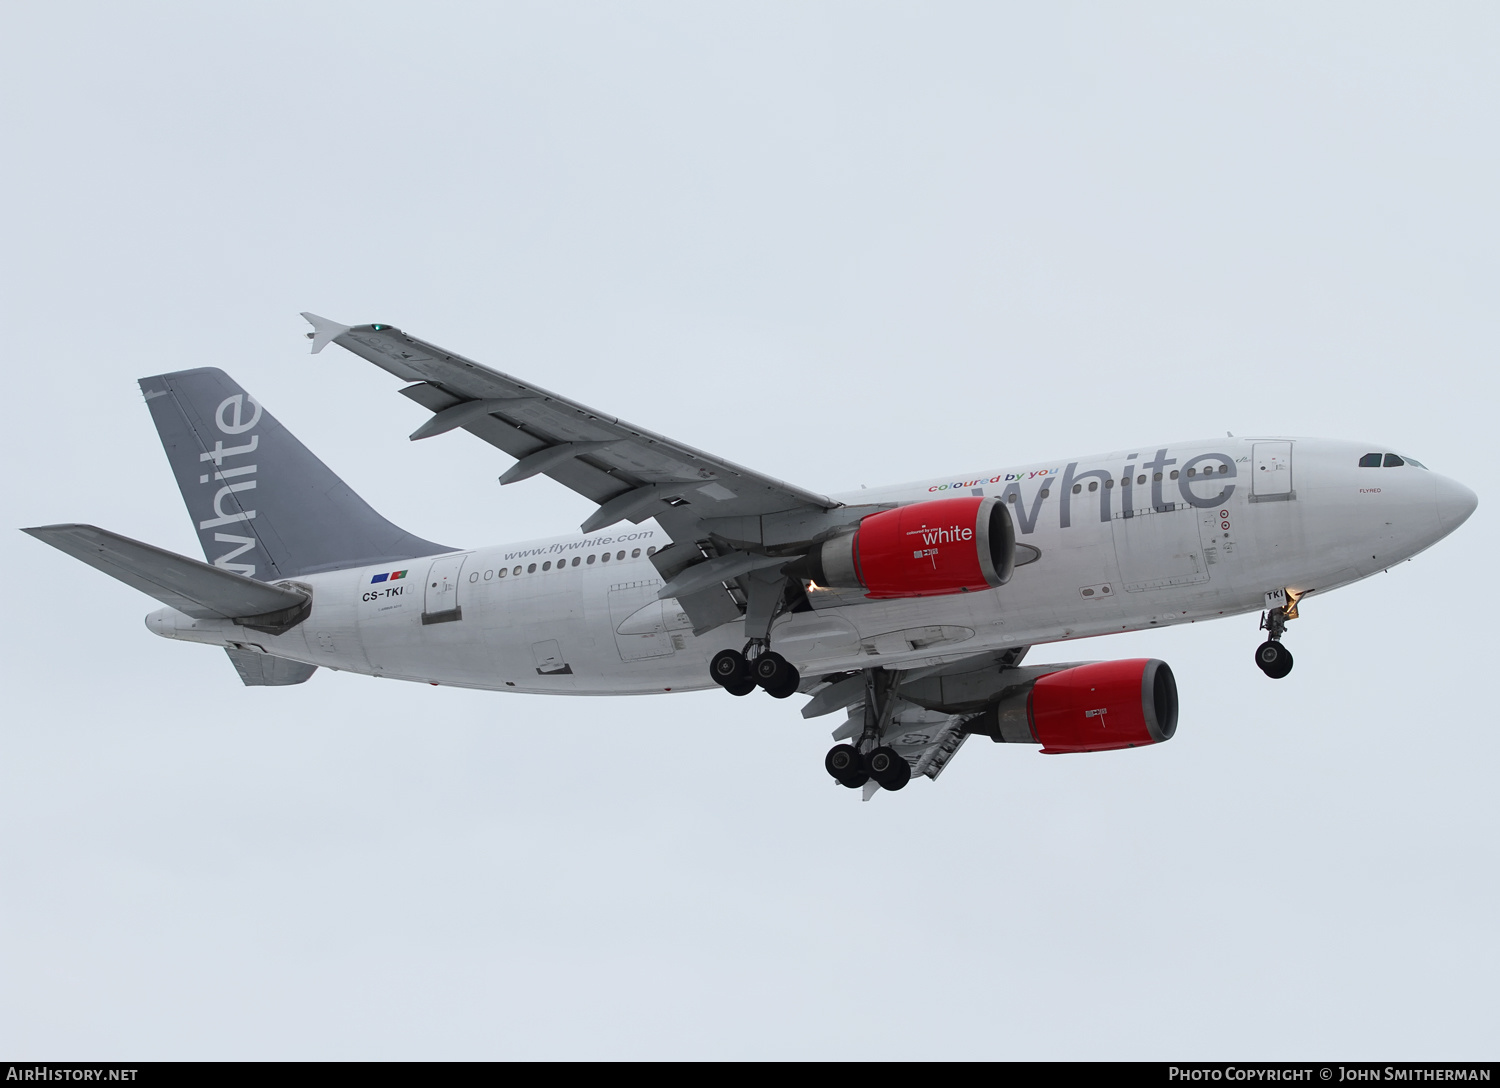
(440, 604)
(1271, 472)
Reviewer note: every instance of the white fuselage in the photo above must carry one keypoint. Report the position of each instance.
(1203, 529)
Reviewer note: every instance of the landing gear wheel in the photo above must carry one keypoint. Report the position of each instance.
(730, 670)
(844, 762)
(888, 769)
(776, 674)
(770, 670)
(1273, 659)
(788, 687)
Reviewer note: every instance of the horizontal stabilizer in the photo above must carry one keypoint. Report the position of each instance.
(191, 586)
(260, 670)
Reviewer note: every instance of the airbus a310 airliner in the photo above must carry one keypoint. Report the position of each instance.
(908, 607)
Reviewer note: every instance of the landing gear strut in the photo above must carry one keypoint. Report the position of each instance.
(1271, 657)
(853, 765)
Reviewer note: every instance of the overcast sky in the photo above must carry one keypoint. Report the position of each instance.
(843, 243)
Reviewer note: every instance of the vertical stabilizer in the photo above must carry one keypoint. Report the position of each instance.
(262, 503)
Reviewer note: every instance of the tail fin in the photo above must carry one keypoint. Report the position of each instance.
(263, 504)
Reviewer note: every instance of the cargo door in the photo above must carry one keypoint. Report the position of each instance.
(1159, 549)
(440, 603)
(1271, 474)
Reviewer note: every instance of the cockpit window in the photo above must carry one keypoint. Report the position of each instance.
(1417, 464)
(1391, 460)
(1370, 460)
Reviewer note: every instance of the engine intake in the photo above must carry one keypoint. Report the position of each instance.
(928, 549)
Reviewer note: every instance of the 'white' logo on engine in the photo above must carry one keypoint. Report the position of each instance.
(942, 536)
(1096, 713)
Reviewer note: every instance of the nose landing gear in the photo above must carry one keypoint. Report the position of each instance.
(1271, 657)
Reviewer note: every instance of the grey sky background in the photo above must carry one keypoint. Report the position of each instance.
(843, 243)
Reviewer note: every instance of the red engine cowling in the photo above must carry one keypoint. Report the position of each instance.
(928, 549)
(1104, 706)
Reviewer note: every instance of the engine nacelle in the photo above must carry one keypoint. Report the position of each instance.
(1097, 707)
(928, 549)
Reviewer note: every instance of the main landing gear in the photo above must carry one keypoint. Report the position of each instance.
(740, 672)
(759, 666)
(882, 765)
(853, 765)
(1271, 657)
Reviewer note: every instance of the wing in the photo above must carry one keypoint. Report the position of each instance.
(728, 524)
(632, 473)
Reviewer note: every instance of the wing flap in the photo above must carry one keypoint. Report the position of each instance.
(506, 431)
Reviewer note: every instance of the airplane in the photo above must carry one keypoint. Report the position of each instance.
(908, 608)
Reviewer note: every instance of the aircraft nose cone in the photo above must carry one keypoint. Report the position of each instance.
(1455, 503)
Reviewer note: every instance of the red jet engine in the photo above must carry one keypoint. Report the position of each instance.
(1104, 706)
(928, 549)
(1097, 707)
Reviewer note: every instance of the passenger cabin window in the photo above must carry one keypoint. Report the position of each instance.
(1370, 460)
